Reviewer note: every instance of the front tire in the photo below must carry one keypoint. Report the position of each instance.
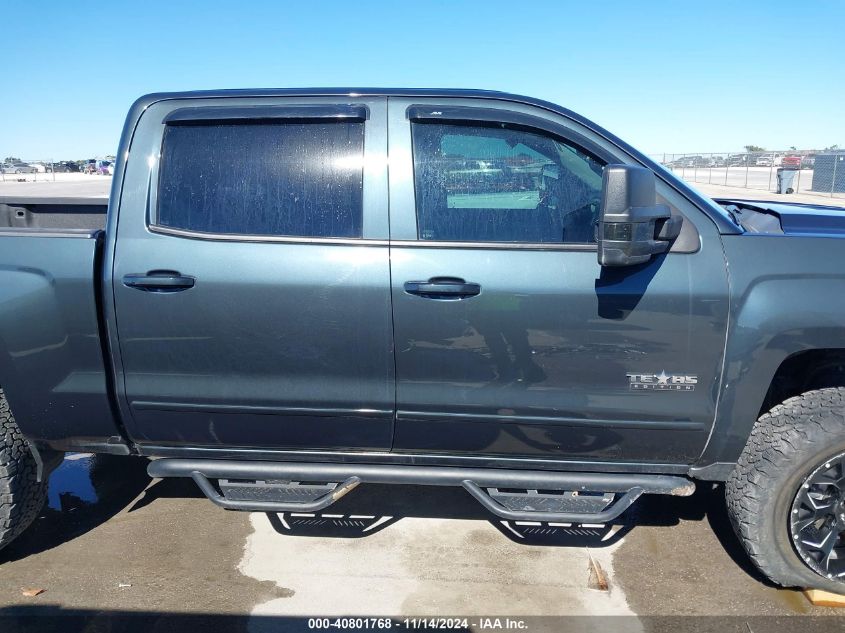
(786, 496)
(21, 496)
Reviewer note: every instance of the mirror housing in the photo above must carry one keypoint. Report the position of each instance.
(632, 227)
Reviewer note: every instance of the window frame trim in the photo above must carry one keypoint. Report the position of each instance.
(514, 246)
(471, 116)
(208, 115)
(154, 184)
(252, 237)
(508, 119)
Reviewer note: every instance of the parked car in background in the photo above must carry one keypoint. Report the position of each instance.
(40, 167)
(703, 161)
(689, 161)
(105, 168)
(793, 161)
(63, 167)
(18, 168)
(764, 161)
(808, 161)
(739, 160)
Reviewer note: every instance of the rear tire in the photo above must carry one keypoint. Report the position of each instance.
(21, 496)
(787, 447)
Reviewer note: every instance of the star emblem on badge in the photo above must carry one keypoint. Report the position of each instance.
(662, 378)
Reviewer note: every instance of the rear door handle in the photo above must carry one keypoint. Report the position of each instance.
(444, 288)
(159, 281)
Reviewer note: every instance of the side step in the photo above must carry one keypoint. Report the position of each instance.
(273, 496)
(511, 494)
(568, 506)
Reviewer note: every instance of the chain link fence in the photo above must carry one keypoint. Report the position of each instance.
(812, 172)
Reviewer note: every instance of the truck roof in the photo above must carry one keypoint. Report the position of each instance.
(343, 91)
(451, 93)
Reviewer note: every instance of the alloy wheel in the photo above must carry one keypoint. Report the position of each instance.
(817, 519)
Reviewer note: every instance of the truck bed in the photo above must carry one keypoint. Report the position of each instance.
(53, 213)
(51, 357)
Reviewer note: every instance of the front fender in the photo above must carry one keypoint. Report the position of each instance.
(797, 304)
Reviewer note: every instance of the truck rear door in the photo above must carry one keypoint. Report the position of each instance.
(251, 275)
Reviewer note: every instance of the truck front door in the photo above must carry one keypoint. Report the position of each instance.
(510, 339)
(251, 275)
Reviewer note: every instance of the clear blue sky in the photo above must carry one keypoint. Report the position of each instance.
(666, 76)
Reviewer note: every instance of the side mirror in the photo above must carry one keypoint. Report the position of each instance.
(632, 227)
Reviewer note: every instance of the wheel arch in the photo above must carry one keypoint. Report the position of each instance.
(770, 342)
(805, 370)
(787, 296)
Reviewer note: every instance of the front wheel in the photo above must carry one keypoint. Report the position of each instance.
(786, 496)
(21, 495)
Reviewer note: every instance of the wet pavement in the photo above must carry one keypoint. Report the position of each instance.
(114, 551)
(140, 547)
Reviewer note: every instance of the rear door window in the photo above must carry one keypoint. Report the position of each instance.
(297, 179)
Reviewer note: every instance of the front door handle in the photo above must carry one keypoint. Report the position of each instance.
(443, 288)
(159, 281)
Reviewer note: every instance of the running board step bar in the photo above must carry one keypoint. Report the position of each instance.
(511, 494)
(532, 506)
(265, 495)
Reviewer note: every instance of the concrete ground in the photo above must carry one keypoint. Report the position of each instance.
(757, 183)
(55, 185)
(114, 551)
(721, 191)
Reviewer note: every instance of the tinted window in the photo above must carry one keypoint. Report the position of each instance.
(295, 179)
(488, 184)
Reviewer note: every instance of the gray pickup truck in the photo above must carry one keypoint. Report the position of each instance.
(293, 292)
